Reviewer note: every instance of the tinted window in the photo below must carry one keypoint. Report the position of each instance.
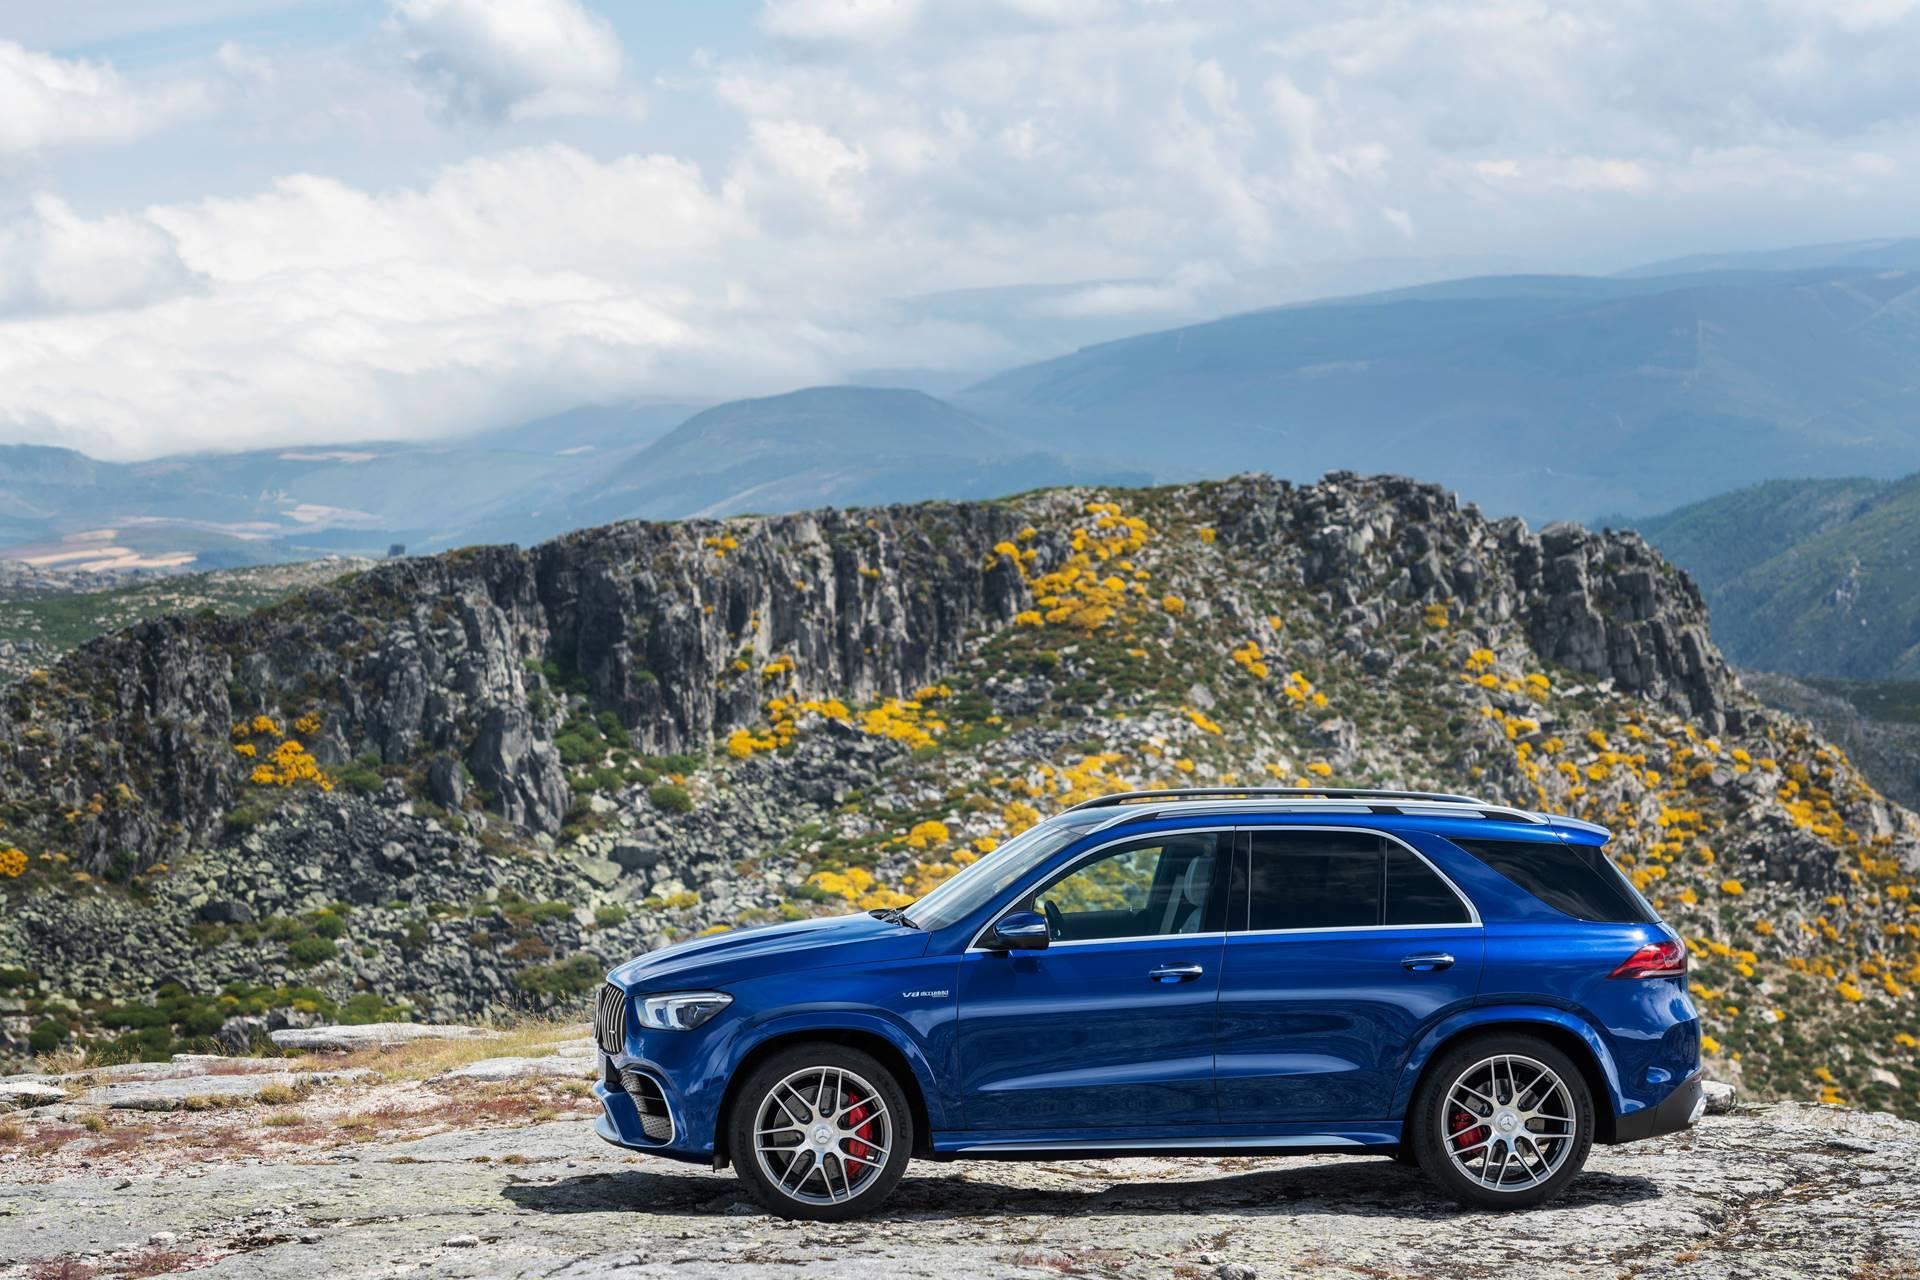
(1135, 891)
(1577, 879)
(1417, 895)
(1313, 880)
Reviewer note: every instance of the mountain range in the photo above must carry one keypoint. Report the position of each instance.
(1550, 397)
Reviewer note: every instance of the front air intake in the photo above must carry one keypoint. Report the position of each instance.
(610, 1019)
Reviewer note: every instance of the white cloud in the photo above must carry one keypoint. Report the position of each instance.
(48, 102)
(54, 261)
(855, 21)
(1149, 161)
(513, 59)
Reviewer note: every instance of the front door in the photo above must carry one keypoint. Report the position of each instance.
(1342, 946)
(1111, 1026)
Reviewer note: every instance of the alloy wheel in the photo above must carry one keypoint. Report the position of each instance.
(1508, 1123)
(822, 1135)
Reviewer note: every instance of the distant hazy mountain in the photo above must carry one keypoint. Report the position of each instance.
(1815, 578)
(62, 508)
(825, 446)
(1898, 255)
(1552, 397)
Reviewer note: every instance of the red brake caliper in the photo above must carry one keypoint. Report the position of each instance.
(857, 1146)
(1466, 1129)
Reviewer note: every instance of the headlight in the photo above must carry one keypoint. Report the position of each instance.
(681, 1011)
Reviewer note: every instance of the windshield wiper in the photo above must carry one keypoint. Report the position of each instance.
(893, 915)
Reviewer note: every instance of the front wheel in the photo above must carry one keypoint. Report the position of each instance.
(1503, 1122)
(821, 1132)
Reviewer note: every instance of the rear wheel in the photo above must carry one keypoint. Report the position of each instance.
(821, 1132)
(1503, 1122)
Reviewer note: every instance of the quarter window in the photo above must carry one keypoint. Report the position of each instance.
(1135, 891)
(1577, 879)
(1342, 880)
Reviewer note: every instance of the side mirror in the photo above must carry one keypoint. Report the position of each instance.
(1020, 931)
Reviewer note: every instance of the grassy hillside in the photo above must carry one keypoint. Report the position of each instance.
(1813, 578)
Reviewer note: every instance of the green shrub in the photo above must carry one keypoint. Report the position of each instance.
(309, 951)
(669, 798)
(567, 978)
(608, 916)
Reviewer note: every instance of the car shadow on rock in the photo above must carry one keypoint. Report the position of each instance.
(1358, 1188)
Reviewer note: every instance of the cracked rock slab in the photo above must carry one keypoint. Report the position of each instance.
(1784, 1192)
(24, 1093)
(372, 1035)
(562, 1065)
(175, 1093)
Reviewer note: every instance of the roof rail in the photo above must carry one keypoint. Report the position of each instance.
(1319, 793)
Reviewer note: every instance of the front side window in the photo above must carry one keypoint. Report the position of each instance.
(1145, 889)
(1342, 880)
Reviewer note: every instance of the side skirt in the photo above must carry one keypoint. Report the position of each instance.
(1381, 1139)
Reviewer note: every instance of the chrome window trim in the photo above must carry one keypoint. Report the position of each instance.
(1067, 870)
(1473, 920)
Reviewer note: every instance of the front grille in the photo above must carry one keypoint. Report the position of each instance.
(610, 1019)
(655, 1120)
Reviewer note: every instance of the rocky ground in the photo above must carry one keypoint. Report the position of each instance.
(476, 1157)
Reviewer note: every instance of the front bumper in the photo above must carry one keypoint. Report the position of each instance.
(620, 1123)
(1681, 1109)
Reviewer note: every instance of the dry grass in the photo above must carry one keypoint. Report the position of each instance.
(423, 1059)
(283, 1119)
(279, 1095)
(11, 1131)
(61, 1062)
(94, 1122)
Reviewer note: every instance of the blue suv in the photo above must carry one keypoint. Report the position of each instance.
(1460, 985)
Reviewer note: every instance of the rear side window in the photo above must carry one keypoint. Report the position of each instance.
(1417, 895)
(1577, 879)
(1341, 880)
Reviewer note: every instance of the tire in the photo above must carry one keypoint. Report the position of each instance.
(818, 1101)
(1487, 1153)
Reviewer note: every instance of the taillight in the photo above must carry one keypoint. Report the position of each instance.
(1655, 960)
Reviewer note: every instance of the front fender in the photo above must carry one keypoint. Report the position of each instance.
(1516, 1016)
(900, 1033)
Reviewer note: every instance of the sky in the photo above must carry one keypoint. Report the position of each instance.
(248, 223)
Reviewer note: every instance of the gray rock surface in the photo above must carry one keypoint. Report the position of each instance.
(372, 1035)
(1786, 1192)
(19, 1094)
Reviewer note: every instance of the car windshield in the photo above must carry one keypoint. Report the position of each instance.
(970, 889)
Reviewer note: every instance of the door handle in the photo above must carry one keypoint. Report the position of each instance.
(1171, 973)
(1427, 963)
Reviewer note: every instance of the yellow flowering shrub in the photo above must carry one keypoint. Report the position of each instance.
(1249, 656)
(1173, 604)
(926, 834)
(290, 765)
(308, 724)
(13, 863)
(1435, 615)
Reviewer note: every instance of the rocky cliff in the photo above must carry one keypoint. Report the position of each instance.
(463, 783)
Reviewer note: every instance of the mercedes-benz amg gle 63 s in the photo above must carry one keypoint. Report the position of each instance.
(1467, 987)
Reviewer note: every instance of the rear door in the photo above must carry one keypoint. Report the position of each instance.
(1111, 1026)
(1342, 946)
